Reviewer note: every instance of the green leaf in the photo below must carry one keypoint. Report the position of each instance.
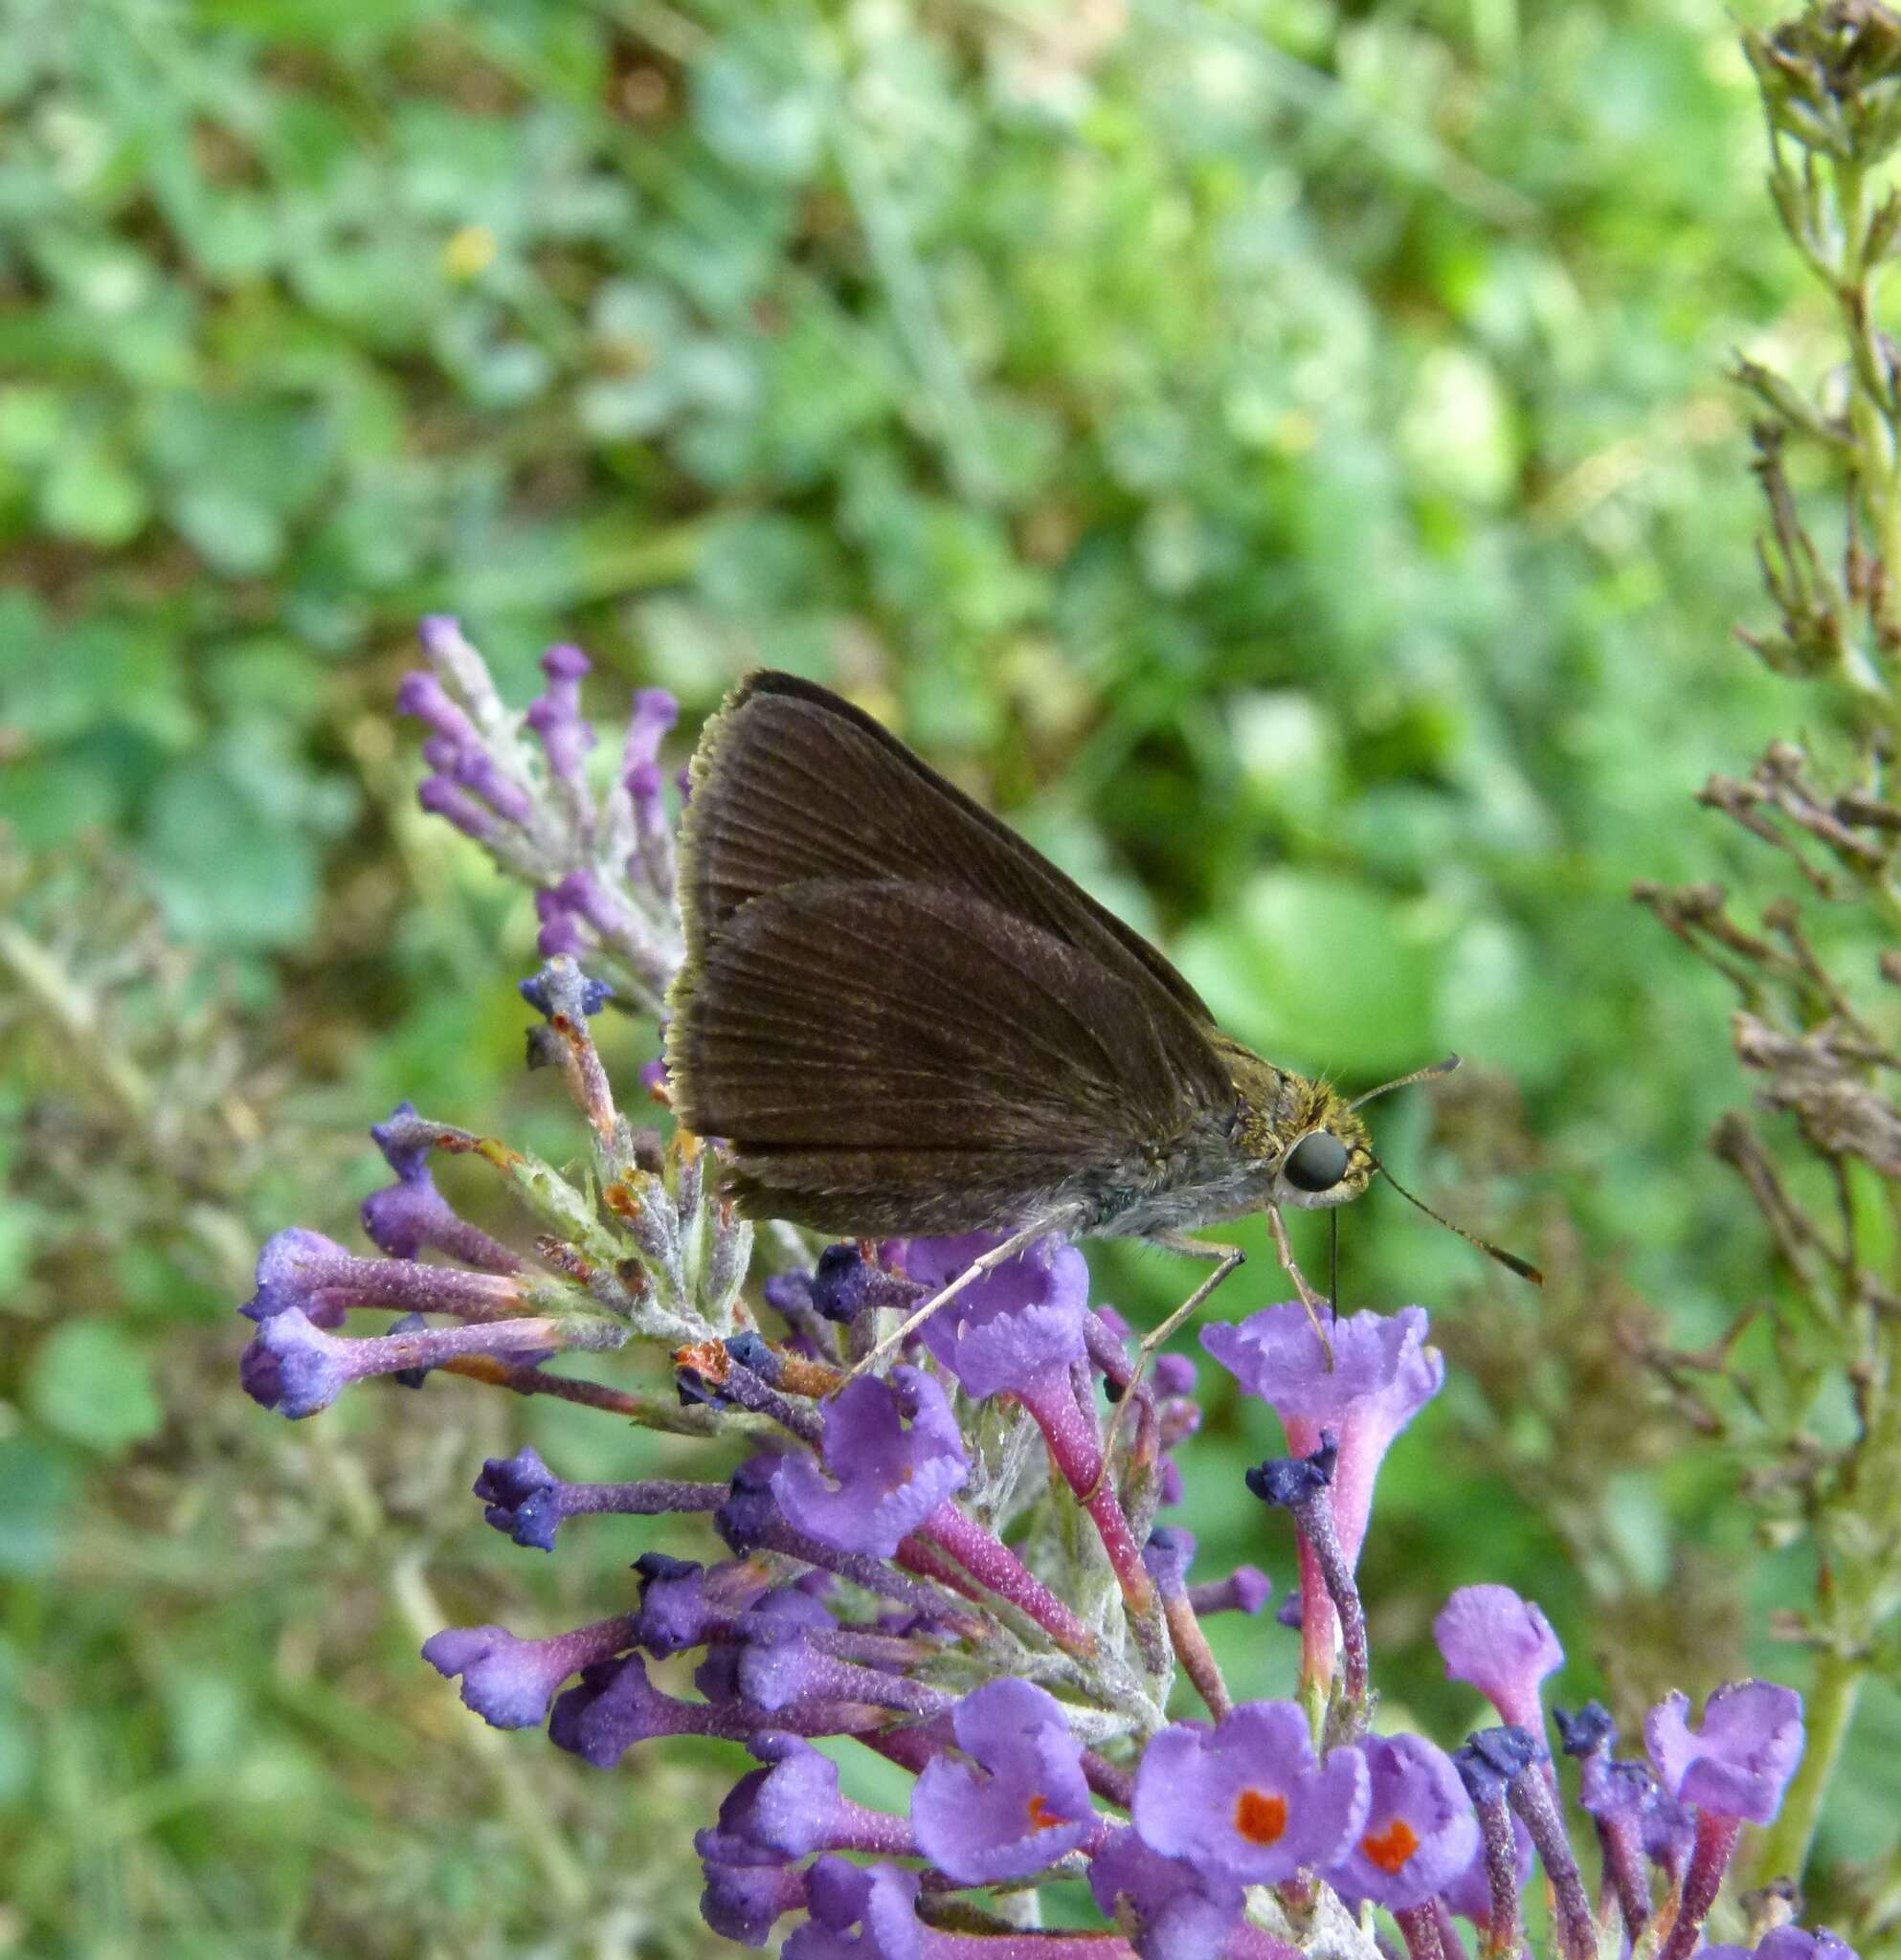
(40, 1486)
(90, 1383)
(1320, 973)
(224, 874)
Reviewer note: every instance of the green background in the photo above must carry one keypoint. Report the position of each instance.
(1275, 452)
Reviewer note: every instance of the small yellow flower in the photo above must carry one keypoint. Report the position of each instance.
(469, 251)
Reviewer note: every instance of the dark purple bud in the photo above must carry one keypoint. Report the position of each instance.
(521, 1498)
(1291, 1482)
(1491, 1761)
(845, 1285)
(563, 988)
(408, 1377)
(1289, 1614)
(1586, 1732)
(744, 1902)
(675, 1611)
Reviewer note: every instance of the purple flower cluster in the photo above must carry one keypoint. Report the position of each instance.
(601, 863)
(956, 1564)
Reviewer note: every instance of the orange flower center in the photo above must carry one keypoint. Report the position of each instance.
(1041, 1817)
(1259, 1817)
(1389, 1849)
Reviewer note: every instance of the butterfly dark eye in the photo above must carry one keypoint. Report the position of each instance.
(1316, 1163)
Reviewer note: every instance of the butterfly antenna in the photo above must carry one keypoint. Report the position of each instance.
(1419, 1074)
(1510, 1260)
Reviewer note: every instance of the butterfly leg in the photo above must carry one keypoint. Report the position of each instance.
(997, 1255)
(1309, 1298)
(1226, 1258)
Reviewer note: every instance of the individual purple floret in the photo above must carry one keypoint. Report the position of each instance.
(1170, 1911)
(555, 714)
(1363, 1389)
(878, 1900)
(1740, 1762)
(743, 1902)
(517, 1495)
(524, 1498)
(405, 1217)
(1786, 1943)
(509, 1682)
(1246, 1801)
(1418, 1833)
(312, 1368)
(894, 1456)
(1024, 1804)
(792, 1808)
(1379, 1377)
(1012, 1327)
(1732, 1771)
(1502, 1644)
(315, 1276)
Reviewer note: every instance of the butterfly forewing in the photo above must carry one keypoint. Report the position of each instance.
(898, 1014)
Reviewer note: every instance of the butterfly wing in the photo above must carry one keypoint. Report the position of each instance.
(804, 785)
(900, 1017)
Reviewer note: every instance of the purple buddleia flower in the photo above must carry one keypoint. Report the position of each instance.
(682, 1601)
(1168, 1909)
(1379, 1377)
(894, 1456)
(1740, 1762)
(1247, 1589)
(520, 1498)
(604, 876)
(878, 1900)
(313, 1368)
(744, 1902)
(322, 1279)
(1246, 1801)
(1786, 1943)
(555, 713)
(1024, 1804)
(1010, 1331)
(410, 1215)
(1418, 1833)
(509, 1682)
(1502, 1644)
(792, 1808)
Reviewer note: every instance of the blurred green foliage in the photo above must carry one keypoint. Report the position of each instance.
(1274, 452)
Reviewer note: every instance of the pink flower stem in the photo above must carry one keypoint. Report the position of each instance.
(1709, 1859)
(1419, 1926)
(1076, 1449)
(988, 1560)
